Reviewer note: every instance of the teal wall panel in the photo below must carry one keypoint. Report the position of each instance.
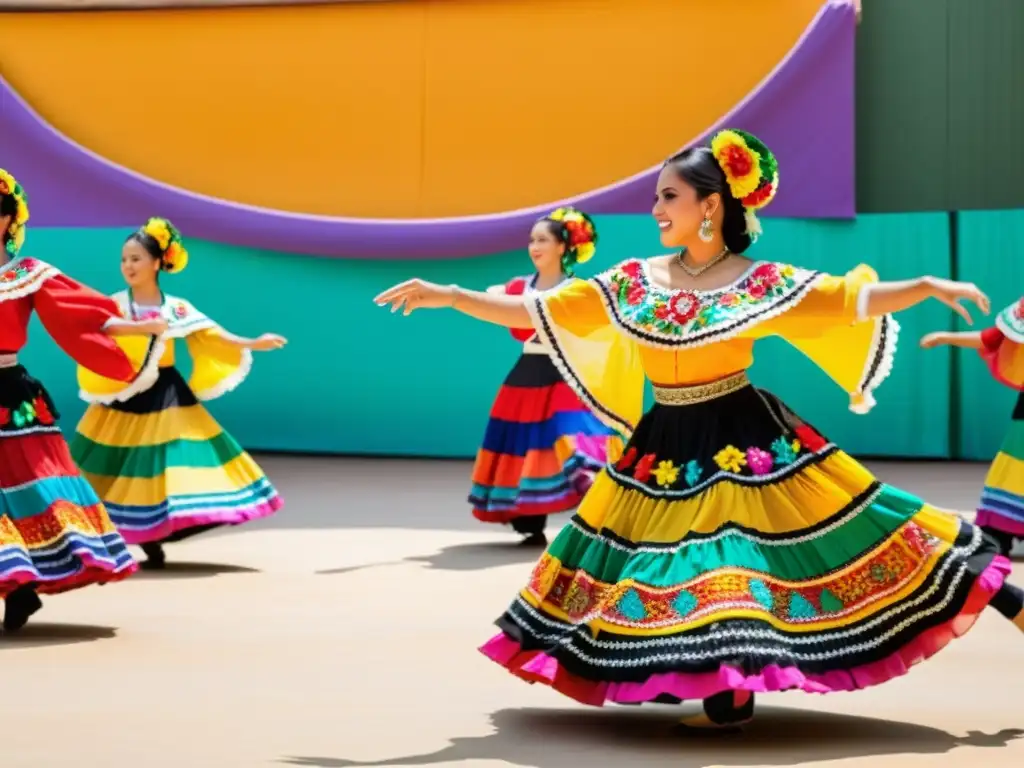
(356, 379)
(990, 247)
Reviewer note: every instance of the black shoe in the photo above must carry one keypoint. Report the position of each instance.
(720, 715)
(19, 607)
(155, 560)
(534, 540)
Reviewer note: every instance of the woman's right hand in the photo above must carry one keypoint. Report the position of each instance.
(416, 294)
(154, 327)
(951, 293)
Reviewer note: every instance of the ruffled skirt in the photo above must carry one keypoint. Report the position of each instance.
(1002, 499)
(166, 469)
(541, 449)
(54, 532)
(733, 547)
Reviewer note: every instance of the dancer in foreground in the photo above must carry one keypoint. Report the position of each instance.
(542, 446)
(55, 535)
(162, 464)
(1001, 512)
(732, 549)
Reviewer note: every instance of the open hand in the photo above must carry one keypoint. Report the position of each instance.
(269, 341)
(937, 339)
(416, 294)
(951, 293)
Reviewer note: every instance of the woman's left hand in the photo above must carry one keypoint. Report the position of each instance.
(951, 293)
(269, 341)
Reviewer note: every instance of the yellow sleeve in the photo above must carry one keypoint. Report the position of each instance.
(218, 365)
(599, 362)
(826, 326)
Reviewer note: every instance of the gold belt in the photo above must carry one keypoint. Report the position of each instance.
(700, 393)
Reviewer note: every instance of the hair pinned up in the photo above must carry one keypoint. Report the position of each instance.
(162, 241)
(751, 171)
(13, 203)
(577, 232)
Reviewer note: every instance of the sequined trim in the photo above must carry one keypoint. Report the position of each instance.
(700, 393)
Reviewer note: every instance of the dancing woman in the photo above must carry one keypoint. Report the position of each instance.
(732, 549)
(164, 467)
(1001, 512)
(542, 446)
(55, 535)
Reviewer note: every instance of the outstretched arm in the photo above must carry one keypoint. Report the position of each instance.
(970, 340)
(120, 327)
(509, 311)
(263, 343)
(890, 297)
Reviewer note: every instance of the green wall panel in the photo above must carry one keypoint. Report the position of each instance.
(356, 379)
(990, 246)
(902, 106)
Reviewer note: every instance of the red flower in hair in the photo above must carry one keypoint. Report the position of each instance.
(4, 189)
(759, 195)
(738, 160)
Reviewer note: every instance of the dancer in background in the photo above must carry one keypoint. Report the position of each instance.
(54, 532)
(733, 549)
(542, 446)
(1001, 512)
(162, 464)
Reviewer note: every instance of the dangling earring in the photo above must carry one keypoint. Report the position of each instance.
(706, 233)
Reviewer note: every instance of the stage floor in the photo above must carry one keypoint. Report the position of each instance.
(343, 632)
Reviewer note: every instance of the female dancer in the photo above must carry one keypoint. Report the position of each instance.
(55, 535)
(1001, 513)
(542, 446)
(732, 548)
(162, 464)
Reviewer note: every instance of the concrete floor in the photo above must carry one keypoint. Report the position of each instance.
(343, 632)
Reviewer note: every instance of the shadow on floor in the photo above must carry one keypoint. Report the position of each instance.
(41, 635)
(548, 738)
(461, 557)
(180, 570)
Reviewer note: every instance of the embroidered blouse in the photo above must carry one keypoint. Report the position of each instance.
(219, 364)
(607, 333)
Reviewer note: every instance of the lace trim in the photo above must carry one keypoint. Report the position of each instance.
(881, 359)
(145, 380)
(1011, 324)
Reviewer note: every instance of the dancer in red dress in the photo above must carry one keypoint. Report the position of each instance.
(54, 532)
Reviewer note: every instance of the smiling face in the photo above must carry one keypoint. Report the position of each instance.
(545, 249)
(138, 267)
(678, 209)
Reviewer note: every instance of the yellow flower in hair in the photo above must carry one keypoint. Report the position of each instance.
(159, 231)
(22, 215)
(7, 183)
(175, 258)
(585, 252)
(741, 164)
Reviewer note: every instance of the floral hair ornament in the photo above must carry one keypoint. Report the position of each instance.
(174, 257)
(751, 171)
(16, 229)
(580, 236)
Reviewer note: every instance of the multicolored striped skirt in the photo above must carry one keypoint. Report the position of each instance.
(54, 532)
(165, 468)
(541, 448)
(734, 548)
(1002, 499)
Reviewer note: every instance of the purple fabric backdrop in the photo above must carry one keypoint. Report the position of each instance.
(804, 111)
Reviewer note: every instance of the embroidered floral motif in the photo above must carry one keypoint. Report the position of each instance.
(678, 313)
(731, 459)
(892, 566)
(666, 473)
(18, 271)
(693, 473)
(29, 412)
(754, 461)
(179, 310)
(5, 417)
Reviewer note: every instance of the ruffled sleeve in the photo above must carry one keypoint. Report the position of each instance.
(75, 316)
(1003, 347)
(599, 362)
(218, 365)
(829, 327)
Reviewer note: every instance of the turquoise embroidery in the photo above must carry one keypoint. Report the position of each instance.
(693, 473)
(632, 606)
(783, 451)
(800, 607)
(762, 593)
(684, 603)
